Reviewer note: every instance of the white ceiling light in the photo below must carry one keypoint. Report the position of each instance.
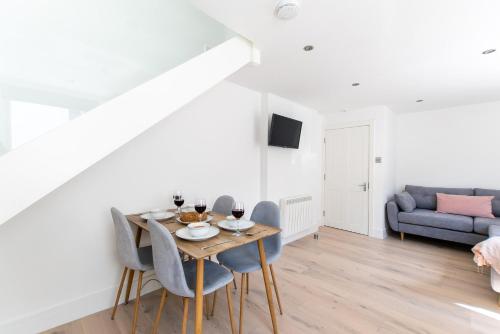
(286, 9)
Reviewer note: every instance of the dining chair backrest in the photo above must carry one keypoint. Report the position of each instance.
(167, 262)
(268, 213)
(224, 205)
(125, 243)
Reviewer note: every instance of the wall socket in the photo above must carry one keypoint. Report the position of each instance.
(378, 160)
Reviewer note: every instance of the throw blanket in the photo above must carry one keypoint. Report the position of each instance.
(487, 253)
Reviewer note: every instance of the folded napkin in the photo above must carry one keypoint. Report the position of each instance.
(487, 253)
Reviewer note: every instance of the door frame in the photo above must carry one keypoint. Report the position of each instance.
(371, 149)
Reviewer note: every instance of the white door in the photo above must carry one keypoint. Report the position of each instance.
(347, 154)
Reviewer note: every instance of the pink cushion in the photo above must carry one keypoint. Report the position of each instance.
(474, 206)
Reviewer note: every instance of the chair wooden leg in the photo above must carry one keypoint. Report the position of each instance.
(275, 284)
(248, 282)
(234, 280)
(402, 235)
(242, 299)
(137, 302)
(119, 293)
(206, 307)
(129, 285)
(163, 300)
(230, 309)
(213, 303)
(185, 301)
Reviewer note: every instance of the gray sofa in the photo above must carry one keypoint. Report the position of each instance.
(425, 221)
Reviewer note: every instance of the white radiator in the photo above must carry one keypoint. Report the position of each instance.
(297, 218)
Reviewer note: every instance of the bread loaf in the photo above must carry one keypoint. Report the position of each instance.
(191, 217)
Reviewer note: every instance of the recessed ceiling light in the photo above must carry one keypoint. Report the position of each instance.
(308, 48)
(487, 52)
(419, 100)
(355, 84)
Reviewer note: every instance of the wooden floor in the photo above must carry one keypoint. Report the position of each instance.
(344, 283)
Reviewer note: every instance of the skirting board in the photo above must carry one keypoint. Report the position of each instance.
(72, 309)
(378, 233)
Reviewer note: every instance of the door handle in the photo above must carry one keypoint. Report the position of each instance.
(364, 185)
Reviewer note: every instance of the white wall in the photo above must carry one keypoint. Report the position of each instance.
(58, 256)
(383, 179)
(293, 172)
(61, 250)
(454, 147)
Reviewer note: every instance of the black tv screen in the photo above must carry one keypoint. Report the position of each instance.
(284, 132)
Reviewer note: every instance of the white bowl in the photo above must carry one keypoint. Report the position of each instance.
(198, 229)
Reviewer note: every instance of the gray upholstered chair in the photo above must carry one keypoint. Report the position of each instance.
(179, 277)
(224, 205)
(245, 259)
(132, 258)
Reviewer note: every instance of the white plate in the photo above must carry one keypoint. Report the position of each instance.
(231, 225)
(158, 215)
(209, 218)
(183, 233)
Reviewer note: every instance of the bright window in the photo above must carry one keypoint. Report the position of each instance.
(30, 120)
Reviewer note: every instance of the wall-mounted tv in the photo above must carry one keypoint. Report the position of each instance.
(284, 132)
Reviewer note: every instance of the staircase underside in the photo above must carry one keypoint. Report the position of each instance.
(34, 170)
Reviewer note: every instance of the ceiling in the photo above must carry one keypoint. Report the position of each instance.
(398, 50)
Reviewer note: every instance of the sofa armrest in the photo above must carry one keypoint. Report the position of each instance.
(392, 215)
(494, 231)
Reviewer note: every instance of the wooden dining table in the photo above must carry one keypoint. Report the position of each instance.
(200, 250)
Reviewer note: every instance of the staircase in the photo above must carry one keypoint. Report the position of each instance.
(33, 170)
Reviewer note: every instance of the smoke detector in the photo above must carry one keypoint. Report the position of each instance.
(286, 9)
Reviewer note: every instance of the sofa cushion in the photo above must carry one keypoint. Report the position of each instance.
(405, 201)
(494, 231)
(496, 200)
(473, 206)
(425, 197)
(481, 225)
(431, 218)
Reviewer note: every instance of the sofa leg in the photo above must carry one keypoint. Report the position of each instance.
(402, 235)
(498, 300)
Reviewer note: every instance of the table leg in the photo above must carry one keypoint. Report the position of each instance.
(131, 272)
(138, 236)
(198, 318)
(265, 273)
